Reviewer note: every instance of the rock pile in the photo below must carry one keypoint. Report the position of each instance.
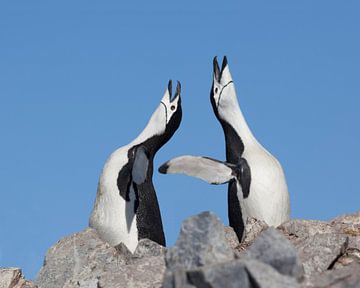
(299, 253)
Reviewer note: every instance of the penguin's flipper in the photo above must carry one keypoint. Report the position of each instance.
(140, 166)
(207, 169)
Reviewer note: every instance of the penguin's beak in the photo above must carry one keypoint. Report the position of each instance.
(218, 74)
(177, 93)
(216, 70)
(169, 97)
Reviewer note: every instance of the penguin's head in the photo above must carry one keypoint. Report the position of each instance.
(166, 118)
(222, 94)
(172, 105)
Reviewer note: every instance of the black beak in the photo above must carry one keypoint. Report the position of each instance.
(170, 88)
(217, 71)
(177, 91)
(224, 64)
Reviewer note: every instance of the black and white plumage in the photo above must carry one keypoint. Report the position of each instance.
(257, 185)
(126, 207)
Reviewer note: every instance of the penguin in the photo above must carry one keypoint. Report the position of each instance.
(126, 207)
(256, 181)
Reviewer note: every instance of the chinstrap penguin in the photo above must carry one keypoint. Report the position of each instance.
(257, 186)
(126, 207)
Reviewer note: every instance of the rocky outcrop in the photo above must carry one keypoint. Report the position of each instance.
(203, 257)
(329, 251)
(13, 278)
(84, 260)
(299, 253)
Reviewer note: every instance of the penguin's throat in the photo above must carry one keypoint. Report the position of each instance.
(234, 118)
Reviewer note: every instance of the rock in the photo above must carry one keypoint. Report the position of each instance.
(349, 219)
(84, 260)
(13, 278)
(176, 279)
(202, 257)
(125, 253)
(71, 255)
(148, 248)
(296, 228)
(247, 273)
(272, 248)
(345, 277)
(264, 276)
(320, 252)
(299, 231)
(147, 272)
(253, 228)
(350, 255)
(201, 242)
(207, 254)
(224, 275)
(231, 237)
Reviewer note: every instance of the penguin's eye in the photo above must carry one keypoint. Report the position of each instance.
(216, 90)
(172, 107)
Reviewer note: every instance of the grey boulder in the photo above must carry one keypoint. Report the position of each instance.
(224, 275)
(346, 277)
(84, 260)
(247, 273)
(272, 248)
(321, 251)
(201, 242)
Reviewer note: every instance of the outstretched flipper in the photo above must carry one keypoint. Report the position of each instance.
(210, 170)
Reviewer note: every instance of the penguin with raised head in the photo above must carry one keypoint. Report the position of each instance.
(257, 186)
(126, 207)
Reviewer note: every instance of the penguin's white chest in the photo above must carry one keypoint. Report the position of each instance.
(113, 217)
(268, 199)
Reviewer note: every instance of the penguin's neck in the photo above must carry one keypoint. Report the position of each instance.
(150, 136)
(232, 115)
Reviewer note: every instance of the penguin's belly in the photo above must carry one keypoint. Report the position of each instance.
(268, 199)
(113, 217)
(115, 221)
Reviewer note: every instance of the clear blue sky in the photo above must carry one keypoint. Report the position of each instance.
(80, 78)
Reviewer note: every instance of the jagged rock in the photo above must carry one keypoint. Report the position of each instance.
(84, 260)
(201, 258)
(148, 248)
(71, 255)
(272, 248)
(176, 279)
(345, 277)
(264, 276)
(231, 237)
(320, 252)
(247, 273)
(224, 275)
(253, 227)
(207, 254)
(201, 242)
(13, 278)
(298, 230)
(349, 219)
